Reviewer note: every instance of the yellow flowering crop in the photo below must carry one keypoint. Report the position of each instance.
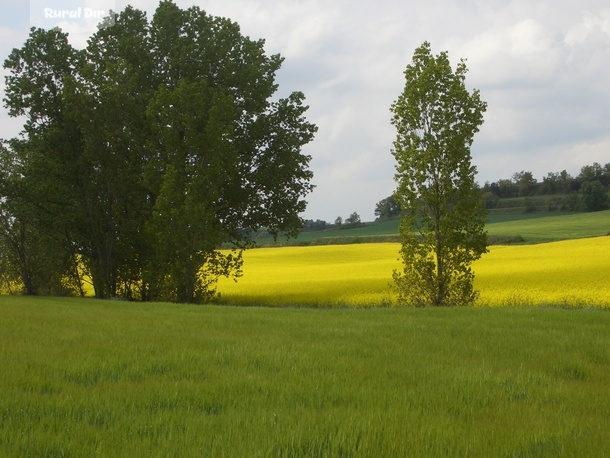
(570, 272)
(358, 274)
(573, 272)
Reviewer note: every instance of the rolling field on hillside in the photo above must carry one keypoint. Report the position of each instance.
(530, 227)
(82, 377)
(539, 228)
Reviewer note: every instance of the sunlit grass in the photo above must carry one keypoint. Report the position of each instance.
(572, 272)
(542, 227)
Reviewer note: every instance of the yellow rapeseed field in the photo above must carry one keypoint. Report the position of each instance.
(358, 274)
(572, 272)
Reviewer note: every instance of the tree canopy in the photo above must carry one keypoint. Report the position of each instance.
(144, 153)
(387, 208)
(443, 228)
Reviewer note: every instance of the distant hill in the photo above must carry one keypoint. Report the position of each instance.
(504, 227)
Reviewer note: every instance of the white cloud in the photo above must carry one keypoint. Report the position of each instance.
(522, 53)
(592, 28)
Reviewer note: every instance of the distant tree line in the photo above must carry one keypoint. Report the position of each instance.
(587, 191)
(353, 220)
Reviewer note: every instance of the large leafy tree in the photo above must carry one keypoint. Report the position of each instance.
(33, 258)
(387, 208)
(34, 200)
(443, 229)
(156, 145)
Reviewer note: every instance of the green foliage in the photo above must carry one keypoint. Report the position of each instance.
(595, 172)
(594, 196)
(529, 205)
(444, 214)
(557, 183)
(154, 146)
(353, 220)
(571, 202)
(166, 380)
(387, 208)
(525, 182)
(315, 226)
(490, 199)
(33, 260)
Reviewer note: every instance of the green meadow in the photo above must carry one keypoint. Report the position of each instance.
(523, 228)
(541, 227)
(82, 377)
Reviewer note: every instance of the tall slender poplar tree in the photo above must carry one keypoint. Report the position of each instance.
(443, 229)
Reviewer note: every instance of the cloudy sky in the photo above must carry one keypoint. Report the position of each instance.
(542, 66)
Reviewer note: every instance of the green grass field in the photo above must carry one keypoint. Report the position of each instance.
(82, 377)
(538, 228)
(531, 227)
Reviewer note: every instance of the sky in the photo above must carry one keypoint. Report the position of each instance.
(542, 66)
